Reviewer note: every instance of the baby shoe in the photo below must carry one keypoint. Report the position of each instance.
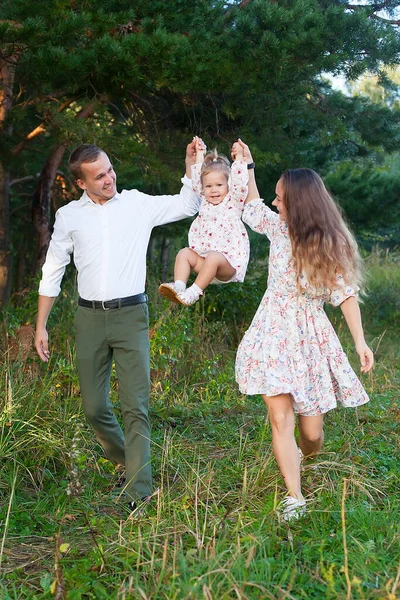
(168, 290)
(190, 296)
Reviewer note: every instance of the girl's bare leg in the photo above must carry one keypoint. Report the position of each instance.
(311, 438)
(213, 265)
(187, 260)
(282, 419)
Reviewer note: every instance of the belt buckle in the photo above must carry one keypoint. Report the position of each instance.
(102, 304)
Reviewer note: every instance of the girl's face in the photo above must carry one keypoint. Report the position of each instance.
(278, 202)
(215, 186)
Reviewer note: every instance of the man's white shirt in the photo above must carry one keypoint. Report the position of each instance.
(109, 241)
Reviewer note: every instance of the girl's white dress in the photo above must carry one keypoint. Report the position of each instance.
(219, 227)
(291, 346)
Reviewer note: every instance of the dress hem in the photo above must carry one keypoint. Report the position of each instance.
(312, 412)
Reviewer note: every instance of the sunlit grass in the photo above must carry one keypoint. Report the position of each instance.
(212, 530)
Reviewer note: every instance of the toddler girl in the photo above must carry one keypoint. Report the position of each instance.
(218, 242)
(291, 354)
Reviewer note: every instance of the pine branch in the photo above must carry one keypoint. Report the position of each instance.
(374, 8)
(38, 130)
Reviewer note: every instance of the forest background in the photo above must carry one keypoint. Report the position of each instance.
(140, 79)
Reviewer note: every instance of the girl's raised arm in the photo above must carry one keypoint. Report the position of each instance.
(253, 193)
(199, 150)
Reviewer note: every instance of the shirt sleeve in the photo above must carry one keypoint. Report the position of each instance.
(260, 218)
(170, 208)
(343, 291)
(239, 182)
(57, 258)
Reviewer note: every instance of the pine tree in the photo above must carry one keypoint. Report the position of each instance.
(141, 77)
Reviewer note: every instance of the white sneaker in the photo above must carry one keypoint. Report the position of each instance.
(293, 508)
(189, 296)
(168, 290)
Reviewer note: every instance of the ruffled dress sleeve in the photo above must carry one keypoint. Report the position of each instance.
(196, 183)
(260, 218)
(239, 182)
(343, 291)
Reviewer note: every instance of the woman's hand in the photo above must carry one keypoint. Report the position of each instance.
(240, 151)
(366, 357)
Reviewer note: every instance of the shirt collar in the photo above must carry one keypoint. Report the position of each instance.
(84, 199)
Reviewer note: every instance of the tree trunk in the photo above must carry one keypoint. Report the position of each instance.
(7, 70)
(5, 254)
(41, 201)
(21, 265)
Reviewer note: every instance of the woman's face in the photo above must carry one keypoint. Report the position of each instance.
(279, 200)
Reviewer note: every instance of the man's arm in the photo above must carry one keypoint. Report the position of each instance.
(352, 314)
(163, 209)
(58, 256)
(45, 305)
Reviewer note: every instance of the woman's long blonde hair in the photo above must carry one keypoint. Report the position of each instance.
(322, 245)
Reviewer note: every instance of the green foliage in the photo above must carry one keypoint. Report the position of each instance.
(156, 73)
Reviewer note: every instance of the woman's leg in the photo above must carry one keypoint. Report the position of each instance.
(311, 438)
(282, 419)
(214, 265)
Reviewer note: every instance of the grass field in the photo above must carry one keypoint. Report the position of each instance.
(211, 531)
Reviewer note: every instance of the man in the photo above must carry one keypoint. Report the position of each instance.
(108, 233)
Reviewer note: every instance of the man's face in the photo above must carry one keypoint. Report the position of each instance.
(98, 179)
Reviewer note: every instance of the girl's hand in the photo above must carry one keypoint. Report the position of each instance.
(366, 357)
(237, 151)
(200, 149)
(239, 148)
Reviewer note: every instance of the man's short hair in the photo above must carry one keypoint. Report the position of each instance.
(86, 153)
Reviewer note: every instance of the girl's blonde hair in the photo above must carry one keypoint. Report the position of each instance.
(215, 162)
(322, 245)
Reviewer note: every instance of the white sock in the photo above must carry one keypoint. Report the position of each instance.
(180, 285)
(196, 289)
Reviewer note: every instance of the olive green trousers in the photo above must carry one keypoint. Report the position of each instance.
(122, 335)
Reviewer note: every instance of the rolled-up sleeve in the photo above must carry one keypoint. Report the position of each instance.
(343, 291)
(57, 258)
(260, 218)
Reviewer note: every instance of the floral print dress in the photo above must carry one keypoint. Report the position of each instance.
(219, 227)
(291, 346)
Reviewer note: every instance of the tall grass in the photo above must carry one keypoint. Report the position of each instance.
(212, 530)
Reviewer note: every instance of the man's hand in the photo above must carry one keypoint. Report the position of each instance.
(191, 153)
(42, 344)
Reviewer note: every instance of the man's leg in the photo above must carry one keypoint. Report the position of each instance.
(130, 342)
(94, 358)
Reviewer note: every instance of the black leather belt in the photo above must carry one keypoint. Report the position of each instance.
(116, 303)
